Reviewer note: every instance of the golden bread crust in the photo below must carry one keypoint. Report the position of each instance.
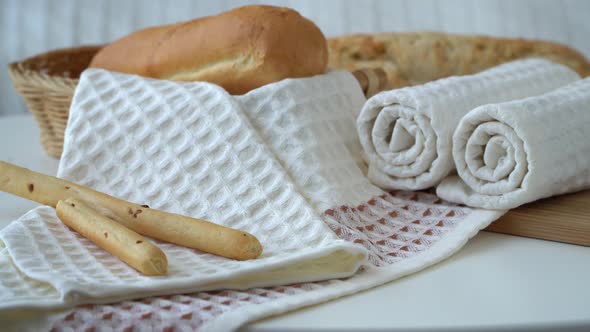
(240, 49)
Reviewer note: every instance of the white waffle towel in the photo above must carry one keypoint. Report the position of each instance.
(282, 162)
(512, 153)
(406, 134)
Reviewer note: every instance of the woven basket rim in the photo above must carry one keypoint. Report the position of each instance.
(20, 70)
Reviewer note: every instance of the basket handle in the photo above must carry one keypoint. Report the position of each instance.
(371, 80)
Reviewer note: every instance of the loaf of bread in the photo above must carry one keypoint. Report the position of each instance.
(417, 57)
(240, 49)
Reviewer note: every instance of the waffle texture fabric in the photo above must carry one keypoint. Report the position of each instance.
(282, 162)
(406, 134)
(512, 153)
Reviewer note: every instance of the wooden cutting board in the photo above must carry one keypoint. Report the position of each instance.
(564, 218)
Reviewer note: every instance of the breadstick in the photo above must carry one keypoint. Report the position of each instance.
(113, 237)
(185, 231)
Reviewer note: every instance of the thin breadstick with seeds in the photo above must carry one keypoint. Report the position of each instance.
(185, 231)
(123, 243)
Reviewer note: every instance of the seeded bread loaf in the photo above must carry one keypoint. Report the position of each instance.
(411, 58)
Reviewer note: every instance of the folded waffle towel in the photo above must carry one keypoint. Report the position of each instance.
(282, 162)
(406, 134)
(516, 152)
(186, 149)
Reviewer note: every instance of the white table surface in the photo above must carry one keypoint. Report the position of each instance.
(495, 282)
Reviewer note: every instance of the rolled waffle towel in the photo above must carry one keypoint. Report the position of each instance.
(406, 134)
(513, 153)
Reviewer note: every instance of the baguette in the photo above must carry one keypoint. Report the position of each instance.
(185, 231)
(121, 242)
(411, 58)
(240, 50)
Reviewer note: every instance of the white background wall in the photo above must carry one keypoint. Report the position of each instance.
(28, 27)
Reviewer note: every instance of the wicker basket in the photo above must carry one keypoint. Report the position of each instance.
(47, 82)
